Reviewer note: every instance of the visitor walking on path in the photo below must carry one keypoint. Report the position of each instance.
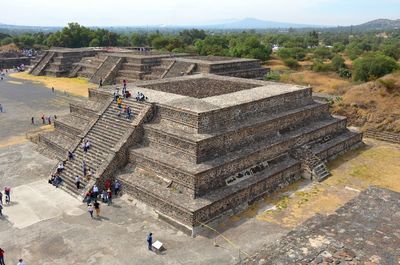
(43, 119)
(2, 257)
(90, 210)
(1, 197)
(150, 241)
(7, 192)
(33, 120)
(1, 210)
(1, 108)
(97, 208)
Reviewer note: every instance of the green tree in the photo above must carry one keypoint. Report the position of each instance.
(323, 53)
(213, 45)
(291, 63)
(373, 66)
(249, 47)
(337, 62)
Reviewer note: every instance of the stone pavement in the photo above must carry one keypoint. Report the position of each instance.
(365, 231)
(38, 201)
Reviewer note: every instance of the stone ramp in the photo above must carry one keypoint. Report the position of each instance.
(42, 64)
(178, 68)
(105, 70)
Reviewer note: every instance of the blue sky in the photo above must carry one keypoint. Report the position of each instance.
(187, 12)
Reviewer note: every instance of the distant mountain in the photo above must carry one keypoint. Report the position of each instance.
(380, 24)
(248, 23)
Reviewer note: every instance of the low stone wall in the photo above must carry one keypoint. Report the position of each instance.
(9, 63)
(383, 136)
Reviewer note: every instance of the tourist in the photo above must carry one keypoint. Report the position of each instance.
(52, 89)
(60, 167)
(117, 187)
(88, 197)
(52, 178)
(7, 192)
(87, 146)
(101, 82)
(84, 168)
(119, 103)
(49, 119)
(1, 210)
(78, 182)
(70, 155)
(33, 120)
(128, 113)
(107, 184)
(57, 181)
(21, 262)
(1, 108)
(150, 241)
(95, 191)
(90, 210)
(109, 196)
(43, 119)
(97, 208)
(2, 257)
(1, 197)
(83, 145)
(104, 197)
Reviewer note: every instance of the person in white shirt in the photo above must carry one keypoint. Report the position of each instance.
(21, 262)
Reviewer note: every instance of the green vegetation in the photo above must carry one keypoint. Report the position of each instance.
(373, 66)
(372, 53)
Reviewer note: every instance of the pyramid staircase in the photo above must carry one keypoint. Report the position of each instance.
(105, 137)
(42, 64)
(312, 163)
(179, 68)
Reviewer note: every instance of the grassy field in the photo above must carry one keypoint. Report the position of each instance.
(74, 86)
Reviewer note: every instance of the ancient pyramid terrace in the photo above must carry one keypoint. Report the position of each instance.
(202, 146)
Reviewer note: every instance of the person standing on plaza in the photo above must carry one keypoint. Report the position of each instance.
(1, 108)
(97, 208)
(33, 120)
(1, 210)
(95, 192)
(90, 210)
(150, 241)
(109, 196)
(7, 192)
(2, 257)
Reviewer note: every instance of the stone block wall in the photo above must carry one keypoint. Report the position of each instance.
(9, 63)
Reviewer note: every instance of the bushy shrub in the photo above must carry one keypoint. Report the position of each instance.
(291, 63)
(272, 76)
(373, 66)
(319, 66)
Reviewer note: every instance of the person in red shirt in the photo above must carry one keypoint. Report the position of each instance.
(2, 257)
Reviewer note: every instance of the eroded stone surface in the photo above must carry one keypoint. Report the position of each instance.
(364, 231)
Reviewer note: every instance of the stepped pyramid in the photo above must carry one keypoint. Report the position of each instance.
(206, 146)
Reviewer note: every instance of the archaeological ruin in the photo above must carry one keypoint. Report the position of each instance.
(202, 146)
(114, 65)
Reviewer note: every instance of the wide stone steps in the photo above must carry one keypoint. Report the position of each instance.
(103, 136)
(42, 64)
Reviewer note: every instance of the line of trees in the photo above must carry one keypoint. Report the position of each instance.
(326, 49)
